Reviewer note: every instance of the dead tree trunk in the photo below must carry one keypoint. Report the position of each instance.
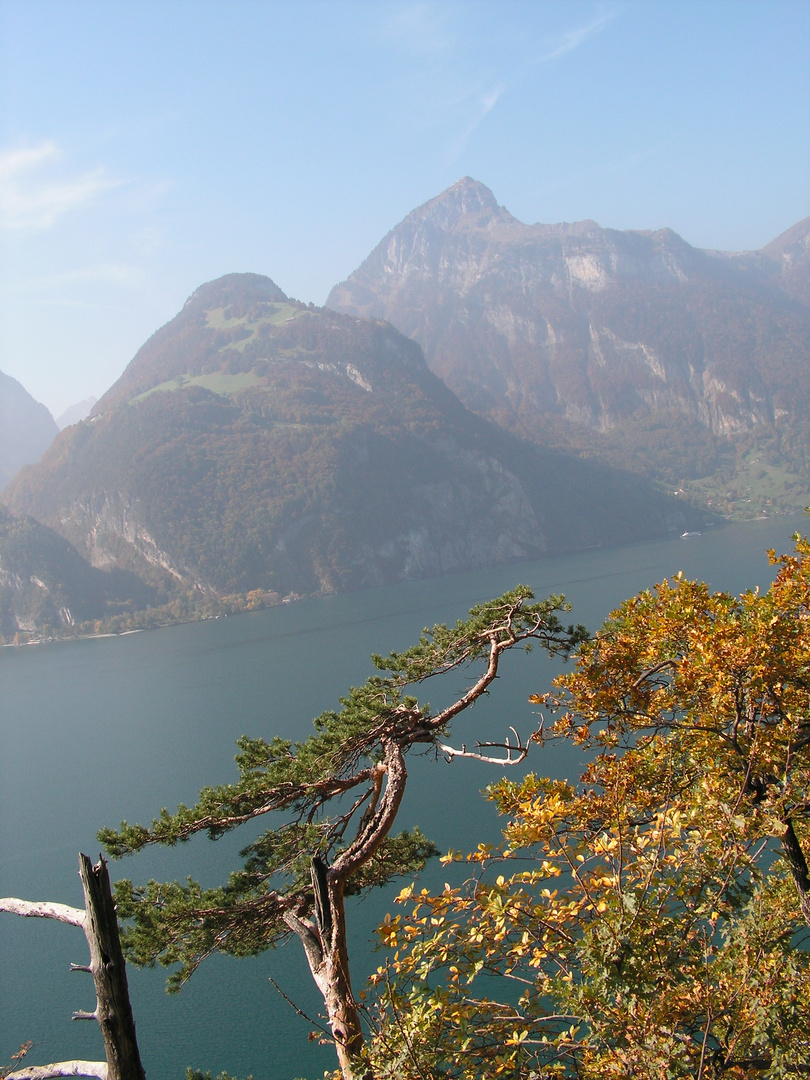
(113, 1009)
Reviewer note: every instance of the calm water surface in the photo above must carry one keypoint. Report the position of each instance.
(94, 732)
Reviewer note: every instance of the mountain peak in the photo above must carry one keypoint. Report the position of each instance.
(244, 288)
(467, 202)
(469, 196)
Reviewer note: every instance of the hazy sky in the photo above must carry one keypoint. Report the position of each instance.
(148, 146)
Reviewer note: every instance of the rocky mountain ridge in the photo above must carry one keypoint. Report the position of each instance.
(588, 337)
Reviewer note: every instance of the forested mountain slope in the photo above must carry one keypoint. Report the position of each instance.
(634, 345)
(255, 443)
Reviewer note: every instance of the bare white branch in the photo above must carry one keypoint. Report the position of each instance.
(43, 909)
(514, 753)
(61, 1068)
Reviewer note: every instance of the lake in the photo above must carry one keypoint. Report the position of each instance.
(98, 731)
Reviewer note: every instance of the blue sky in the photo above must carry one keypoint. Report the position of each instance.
(147, 146)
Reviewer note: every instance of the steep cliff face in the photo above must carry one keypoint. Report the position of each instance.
(593, 327)
(257, 443)
(45, 585)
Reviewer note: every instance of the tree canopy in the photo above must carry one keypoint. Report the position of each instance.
(650, 920)
(337, 794)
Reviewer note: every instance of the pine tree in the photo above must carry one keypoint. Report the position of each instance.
(337, 795)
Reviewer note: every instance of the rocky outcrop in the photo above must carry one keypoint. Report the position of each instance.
(46, 586)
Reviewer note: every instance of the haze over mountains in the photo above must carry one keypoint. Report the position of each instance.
(257, 447)
(27, 429)
(657, 355)
(75, 413)
(256, 443)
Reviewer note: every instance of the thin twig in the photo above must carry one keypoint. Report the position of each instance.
(300, 1012)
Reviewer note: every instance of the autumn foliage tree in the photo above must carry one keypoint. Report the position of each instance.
(650, 920)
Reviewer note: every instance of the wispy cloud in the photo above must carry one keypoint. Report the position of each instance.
(484, 102)
(572, 39)
(459, 74)
(480, 103)
(33, 196)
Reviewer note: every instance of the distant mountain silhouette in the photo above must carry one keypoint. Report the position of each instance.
(634, 345)
(75, 413)
(255, 443)
(27, 429)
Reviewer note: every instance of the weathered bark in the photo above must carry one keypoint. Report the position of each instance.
(113, 1009)
(341, 1007)
(41, 909)
(330, 971)
(61, 1068)
(324, 938)
(343, 1013)
(107, 964)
